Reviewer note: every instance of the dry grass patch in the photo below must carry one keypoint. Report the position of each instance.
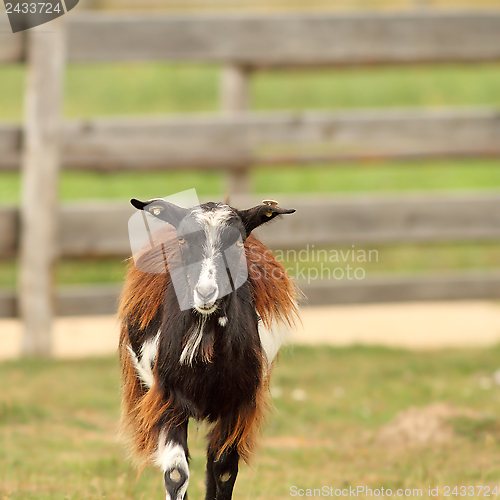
(58, 424)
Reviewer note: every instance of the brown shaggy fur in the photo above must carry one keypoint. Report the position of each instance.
(246, 428)
(142, 296)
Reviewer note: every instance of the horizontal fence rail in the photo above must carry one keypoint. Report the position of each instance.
(100, 229)
(444, 286)
(280, 39)
(231, 142)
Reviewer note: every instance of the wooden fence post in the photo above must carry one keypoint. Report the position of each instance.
(40, 168)
(235, 99)
(235, 88)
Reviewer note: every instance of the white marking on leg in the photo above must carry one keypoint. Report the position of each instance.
(144, 365)
(171, 455)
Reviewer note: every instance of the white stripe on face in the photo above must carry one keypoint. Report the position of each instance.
(206, 291)
(215, 218)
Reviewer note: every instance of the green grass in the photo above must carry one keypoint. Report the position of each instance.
(349, 178)
(154, 88)
(381, 177)
(79, 186)
(72, 271)
(121, 89)
(378, 87)
(58, 426)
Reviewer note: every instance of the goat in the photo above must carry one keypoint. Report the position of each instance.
(210, 361)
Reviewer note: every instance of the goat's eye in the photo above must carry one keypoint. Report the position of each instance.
(240, 243)
(181, 240)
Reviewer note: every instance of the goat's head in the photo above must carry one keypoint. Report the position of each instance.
(211, 245)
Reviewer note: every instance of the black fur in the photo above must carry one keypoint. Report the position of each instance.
(222, 381)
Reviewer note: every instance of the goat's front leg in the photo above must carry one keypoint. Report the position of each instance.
(221, 474)
(172, 458)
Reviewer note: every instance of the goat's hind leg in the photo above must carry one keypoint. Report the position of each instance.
(172, 458)
(222, 470)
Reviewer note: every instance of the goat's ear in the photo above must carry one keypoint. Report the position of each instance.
(162, 210)
(256, 216)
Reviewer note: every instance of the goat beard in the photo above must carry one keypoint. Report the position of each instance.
(198, 341)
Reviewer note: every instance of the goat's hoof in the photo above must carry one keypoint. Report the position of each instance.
(175, 482)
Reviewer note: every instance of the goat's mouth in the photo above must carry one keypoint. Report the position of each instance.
(206, 308)
(206, 303)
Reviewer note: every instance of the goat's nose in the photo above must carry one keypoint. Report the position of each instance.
(207, 292)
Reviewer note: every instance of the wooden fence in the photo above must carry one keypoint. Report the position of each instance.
(236, 140)
(100, 229)
(240, 141)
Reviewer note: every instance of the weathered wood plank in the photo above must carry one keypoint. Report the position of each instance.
(94, 300)
(289, 39)
(453, 286)
(101, 229)
(70, 301)
(278, 40)
(386, 219)
(9, 231)
(282, 137)
(11, 44)
(10, 146)
(94, 229)
(87, 300)
(38, 244)
(233, 142)
(8, 304)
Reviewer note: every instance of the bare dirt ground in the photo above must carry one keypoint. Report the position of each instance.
(423, 325)
(429, 425)
(417, 325)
